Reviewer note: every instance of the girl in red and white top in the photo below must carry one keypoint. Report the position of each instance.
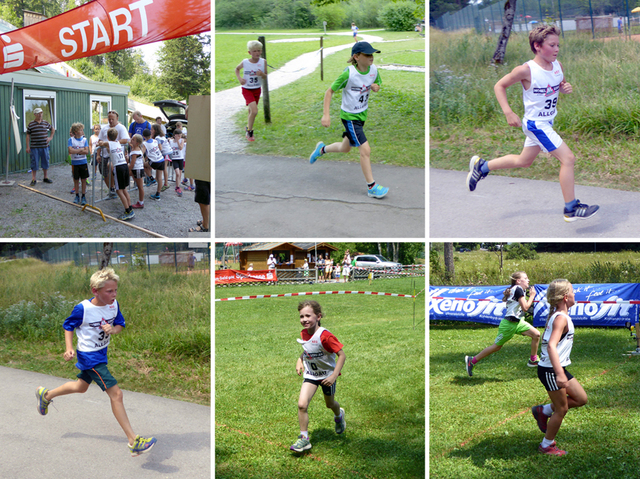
(321, 368)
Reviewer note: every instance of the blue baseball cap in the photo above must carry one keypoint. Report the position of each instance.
(363, 47)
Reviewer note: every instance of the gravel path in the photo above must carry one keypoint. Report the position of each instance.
(25, 213)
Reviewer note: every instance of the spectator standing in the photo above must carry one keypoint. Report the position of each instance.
(38, 140)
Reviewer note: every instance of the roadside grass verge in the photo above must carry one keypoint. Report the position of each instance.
(164, 350)
(601, 129)
(381, 387)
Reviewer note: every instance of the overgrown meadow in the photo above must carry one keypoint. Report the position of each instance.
(381, 387)
(599, 120)
(164, 350)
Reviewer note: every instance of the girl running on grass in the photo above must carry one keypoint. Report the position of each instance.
(318, 361)
(355, 82)
(513, 322)
(564, 390)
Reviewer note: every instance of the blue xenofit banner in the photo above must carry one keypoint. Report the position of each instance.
(596, 304)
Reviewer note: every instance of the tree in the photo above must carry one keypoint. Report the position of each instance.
(398, 16)
(507, 25)
(185, 66)
(448, 261)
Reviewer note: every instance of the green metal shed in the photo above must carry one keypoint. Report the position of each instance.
(64, 101)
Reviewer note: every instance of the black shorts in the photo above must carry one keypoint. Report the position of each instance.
(354, 130)
(122, 177)
(157, 165)
(203, 192)
(547, 377)
(138, 173)
(326, 390)
(178, 164)
(80, 171)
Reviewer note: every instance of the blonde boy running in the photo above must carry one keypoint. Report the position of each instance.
(94, 322)
(253, 69)
(542, 80)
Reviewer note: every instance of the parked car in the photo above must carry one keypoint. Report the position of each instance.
(174, 111)
(376, 261)
(464, 250)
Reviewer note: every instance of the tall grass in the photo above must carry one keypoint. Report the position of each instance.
(603, 74)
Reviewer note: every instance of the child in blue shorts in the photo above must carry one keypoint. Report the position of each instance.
(94, 322)
(356, 82)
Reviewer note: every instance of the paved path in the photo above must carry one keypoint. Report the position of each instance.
(252, 191)
(263, 196)
(516, 208)
(82, 439)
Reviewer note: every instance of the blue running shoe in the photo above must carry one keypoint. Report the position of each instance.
(317, 153)
(141, 445)
(77, 200)
(468, 365)
(580, 212)
(378, 191)
(475, 173)
(155, 196)
(83, 201)
(43, 404)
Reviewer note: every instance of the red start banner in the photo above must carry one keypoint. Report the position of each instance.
(102, 26)
(226, 276)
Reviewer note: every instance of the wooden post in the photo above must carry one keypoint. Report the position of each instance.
(321, 58)
(265, 84)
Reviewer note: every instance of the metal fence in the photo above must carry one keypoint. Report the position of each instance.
(170, 256)
(595, 18)
(313, 275)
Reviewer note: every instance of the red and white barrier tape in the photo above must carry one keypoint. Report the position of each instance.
(313, 293)
(629, 301)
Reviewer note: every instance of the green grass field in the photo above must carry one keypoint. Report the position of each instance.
(482, 426)
(399, 102)
(381, 387)
(600, 128)
(165, 349)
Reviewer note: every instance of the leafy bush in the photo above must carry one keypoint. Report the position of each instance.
(287, 14)
(398, 17)
(521, 251)
(333, 14)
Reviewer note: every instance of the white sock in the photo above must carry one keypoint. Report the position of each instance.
(305, 434)
(546, 409)
(141, 202)
(546, 442)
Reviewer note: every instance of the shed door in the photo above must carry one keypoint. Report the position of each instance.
(100, 107)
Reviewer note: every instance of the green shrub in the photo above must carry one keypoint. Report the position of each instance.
(333, 14)
(521, 251)
(398, 17)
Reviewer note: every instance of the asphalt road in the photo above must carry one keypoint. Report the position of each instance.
(80, 437)
(515, 208)
(265, 196)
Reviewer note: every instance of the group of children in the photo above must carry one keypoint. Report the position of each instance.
(146, 153)
(356, 83)
(563, 389)
(328, 270)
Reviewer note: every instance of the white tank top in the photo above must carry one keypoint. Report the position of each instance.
(564, 345)
(153, 151)
(90, 335)
(541, 98)
(355, 96)
(176, 150)
(318, 362)
(139, 164)
(250, 73)
(116, 151)
(513, 307)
